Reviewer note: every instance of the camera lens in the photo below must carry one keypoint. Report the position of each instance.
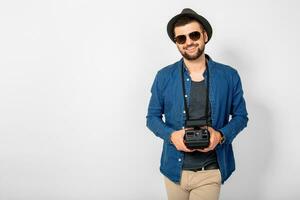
(190, 133)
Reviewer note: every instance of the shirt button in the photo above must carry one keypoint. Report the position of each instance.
(185, 95)
(179, 159)
(184, 111)
(187, 79)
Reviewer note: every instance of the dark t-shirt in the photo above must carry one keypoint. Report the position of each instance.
(198, 98)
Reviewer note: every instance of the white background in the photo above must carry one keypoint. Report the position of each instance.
(75, 80)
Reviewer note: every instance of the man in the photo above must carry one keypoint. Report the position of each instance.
(196, 93)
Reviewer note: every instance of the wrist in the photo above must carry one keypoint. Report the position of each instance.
(221, 137)
(171, 137)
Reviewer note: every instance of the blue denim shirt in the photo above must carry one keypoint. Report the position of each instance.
(228, 113)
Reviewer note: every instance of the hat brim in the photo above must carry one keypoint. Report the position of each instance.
(206, 25)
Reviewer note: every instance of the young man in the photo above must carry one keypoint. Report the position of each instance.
(197, 96)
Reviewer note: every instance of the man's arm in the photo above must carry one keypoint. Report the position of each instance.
(238, 112)
(156, 110)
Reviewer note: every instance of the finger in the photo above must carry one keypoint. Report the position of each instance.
(211, 146)
(186, 149)
(209, 128)
(191, 150)
(203, 151)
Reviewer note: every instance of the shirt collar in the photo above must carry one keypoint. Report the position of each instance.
(208, 63)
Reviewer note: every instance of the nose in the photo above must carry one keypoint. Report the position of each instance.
(188, 41)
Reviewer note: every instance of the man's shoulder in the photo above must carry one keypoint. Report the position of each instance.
(224, 67)
(169, 69)
(226, 71)
(168, 72)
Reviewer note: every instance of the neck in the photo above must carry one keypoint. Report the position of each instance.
(196, 65)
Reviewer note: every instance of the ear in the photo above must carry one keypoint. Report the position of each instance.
(205, 37)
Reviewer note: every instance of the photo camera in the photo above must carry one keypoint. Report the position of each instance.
(198, 137)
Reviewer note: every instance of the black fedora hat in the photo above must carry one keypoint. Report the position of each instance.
(190, 13)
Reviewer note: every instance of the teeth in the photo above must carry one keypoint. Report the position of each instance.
(190, 48)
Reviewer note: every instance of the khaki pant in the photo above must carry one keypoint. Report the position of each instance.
(200, 185)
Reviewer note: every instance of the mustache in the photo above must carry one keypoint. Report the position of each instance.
(194, 45)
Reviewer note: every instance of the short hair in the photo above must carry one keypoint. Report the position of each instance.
(185, 20)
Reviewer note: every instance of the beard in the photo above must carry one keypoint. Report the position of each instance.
(194, 56)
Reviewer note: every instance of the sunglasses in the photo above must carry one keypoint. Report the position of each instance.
(181, 39)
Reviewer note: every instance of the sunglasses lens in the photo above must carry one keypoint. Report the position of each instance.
(180, 39)
(195, 35)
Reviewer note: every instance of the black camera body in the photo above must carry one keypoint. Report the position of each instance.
(197, 138)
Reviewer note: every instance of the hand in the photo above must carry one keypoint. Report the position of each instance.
(177, 140)
(215, 139)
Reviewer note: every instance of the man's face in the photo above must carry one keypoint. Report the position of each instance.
(191, 50)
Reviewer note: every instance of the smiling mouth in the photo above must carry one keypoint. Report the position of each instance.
(192, 48)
